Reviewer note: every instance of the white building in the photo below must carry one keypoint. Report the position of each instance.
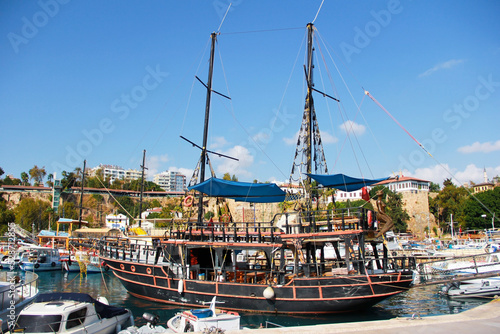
(399, 184)
(119, 221)
(170, 181)
(116, 173)
(405, 184)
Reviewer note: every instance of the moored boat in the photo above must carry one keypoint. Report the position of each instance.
(72, 313)
(16, 292)
(41, 259)
(277, 266)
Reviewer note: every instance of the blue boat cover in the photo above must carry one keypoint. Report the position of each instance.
(344, 182)
(241, 191)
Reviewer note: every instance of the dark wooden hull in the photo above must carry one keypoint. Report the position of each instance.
(324, 294)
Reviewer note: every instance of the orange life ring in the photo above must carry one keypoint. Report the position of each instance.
(132, 268)
(122, 266)
(188, 201)
(149, 271)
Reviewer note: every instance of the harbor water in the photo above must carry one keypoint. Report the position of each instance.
(419, 301)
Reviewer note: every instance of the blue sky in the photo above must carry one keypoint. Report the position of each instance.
(104, 80)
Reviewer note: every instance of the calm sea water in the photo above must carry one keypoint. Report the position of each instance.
(424, 301)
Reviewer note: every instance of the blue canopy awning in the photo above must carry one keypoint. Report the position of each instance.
(241, 191)
(344, 182)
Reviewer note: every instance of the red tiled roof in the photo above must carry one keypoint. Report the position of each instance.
(400, 179)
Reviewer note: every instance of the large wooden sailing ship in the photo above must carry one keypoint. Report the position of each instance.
(297, 263)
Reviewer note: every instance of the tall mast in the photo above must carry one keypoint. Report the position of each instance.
(81, 195)
(143, 166)
(309, 146)
(205, 128)
(309, 108)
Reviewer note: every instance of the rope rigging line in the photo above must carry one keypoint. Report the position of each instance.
(110, 194)
(342, 110)
(318, 12)
(259, 31)
(421, 146)
(222, 21)
(395, 120)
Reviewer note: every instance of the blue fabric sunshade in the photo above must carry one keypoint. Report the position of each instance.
(344, 182)
(241, 191)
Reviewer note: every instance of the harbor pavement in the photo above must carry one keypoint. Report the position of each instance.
(483, 319)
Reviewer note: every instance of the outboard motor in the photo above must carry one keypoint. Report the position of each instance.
(152, 319)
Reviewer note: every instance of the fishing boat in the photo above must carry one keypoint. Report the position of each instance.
(41, 259)
(72, 313)
(276, 266)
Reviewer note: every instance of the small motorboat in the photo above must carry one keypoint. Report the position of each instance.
(198, 320)
(206, 320)
(72, 313)
(15, 293)
(41, 259)
(479, 288)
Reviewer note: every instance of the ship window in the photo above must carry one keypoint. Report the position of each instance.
(76, 318)
(39, 323)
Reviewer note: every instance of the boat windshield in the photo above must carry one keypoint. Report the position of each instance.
(39, 323)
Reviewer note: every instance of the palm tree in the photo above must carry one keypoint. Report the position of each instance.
(25, 178)
(49, 182)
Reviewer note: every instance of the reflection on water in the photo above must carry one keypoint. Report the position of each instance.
(423, 301)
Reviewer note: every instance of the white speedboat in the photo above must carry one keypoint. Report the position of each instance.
(41, 259)
(206, 320)
(72, 313)
(15, 293)
(483, 288)
(198, 320)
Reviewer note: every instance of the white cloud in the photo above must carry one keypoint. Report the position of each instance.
(442, 66)
(155, 164)
(353, 127)
(217, 143)
(486, 147)
(438, 173)
(238, 168)
(291, 140)
(328, 138)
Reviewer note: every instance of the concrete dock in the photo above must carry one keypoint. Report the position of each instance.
(483, 319)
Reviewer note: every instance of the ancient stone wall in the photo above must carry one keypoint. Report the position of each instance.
(416, 204)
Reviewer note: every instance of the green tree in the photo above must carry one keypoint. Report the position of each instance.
(32, 211)
(434, 187)
(234, 178)
(474, 209)
(69, 180)
(450, 200)
(6, 216)
(11, 182)
(69, 210)
(50, 179)
(25, 179)
(37, 174)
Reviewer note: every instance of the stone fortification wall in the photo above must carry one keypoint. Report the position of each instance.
(417, 206)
